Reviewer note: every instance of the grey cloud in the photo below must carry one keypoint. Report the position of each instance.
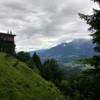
(47, 21)
(15, 6)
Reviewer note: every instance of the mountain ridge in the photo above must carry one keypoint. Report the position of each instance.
(78, 48)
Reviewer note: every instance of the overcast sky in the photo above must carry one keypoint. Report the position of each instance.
(44, 23)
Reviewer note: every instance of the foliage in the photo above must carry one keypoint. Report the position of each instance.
(94, 22)
(23, 56)
(37, 61)
(51, 71)
(26, 58)
(72, 70)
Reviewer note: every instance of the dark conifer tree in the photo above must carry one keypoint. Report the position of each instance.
(51, 71)
(37, 61)
(94, 22)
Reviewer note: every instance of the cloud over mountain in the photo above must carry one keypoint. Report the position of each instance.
(44, 23)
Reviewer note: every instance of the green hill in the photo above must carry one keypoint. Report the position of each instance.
(18, 82)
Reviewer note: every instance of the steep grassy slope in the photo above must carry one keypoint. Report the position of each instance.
(18, 82)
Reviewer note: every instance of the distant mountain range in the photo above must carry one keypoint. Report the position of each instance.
(69, 51)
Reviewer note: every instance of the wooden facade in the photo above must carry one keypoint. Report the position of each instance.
(7, 43)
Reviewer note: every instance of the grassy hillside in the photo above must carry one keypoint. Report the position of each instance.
(18, 82)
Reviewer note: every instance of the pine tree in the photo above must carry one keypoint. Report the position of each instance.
(37, 61)
(51, 71)
(94, 22)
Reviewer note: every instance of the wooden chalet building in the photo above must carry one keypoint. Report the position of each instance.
(7, 43)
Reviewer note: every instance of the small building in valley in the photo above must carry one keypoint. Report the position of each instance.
(7, 43)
